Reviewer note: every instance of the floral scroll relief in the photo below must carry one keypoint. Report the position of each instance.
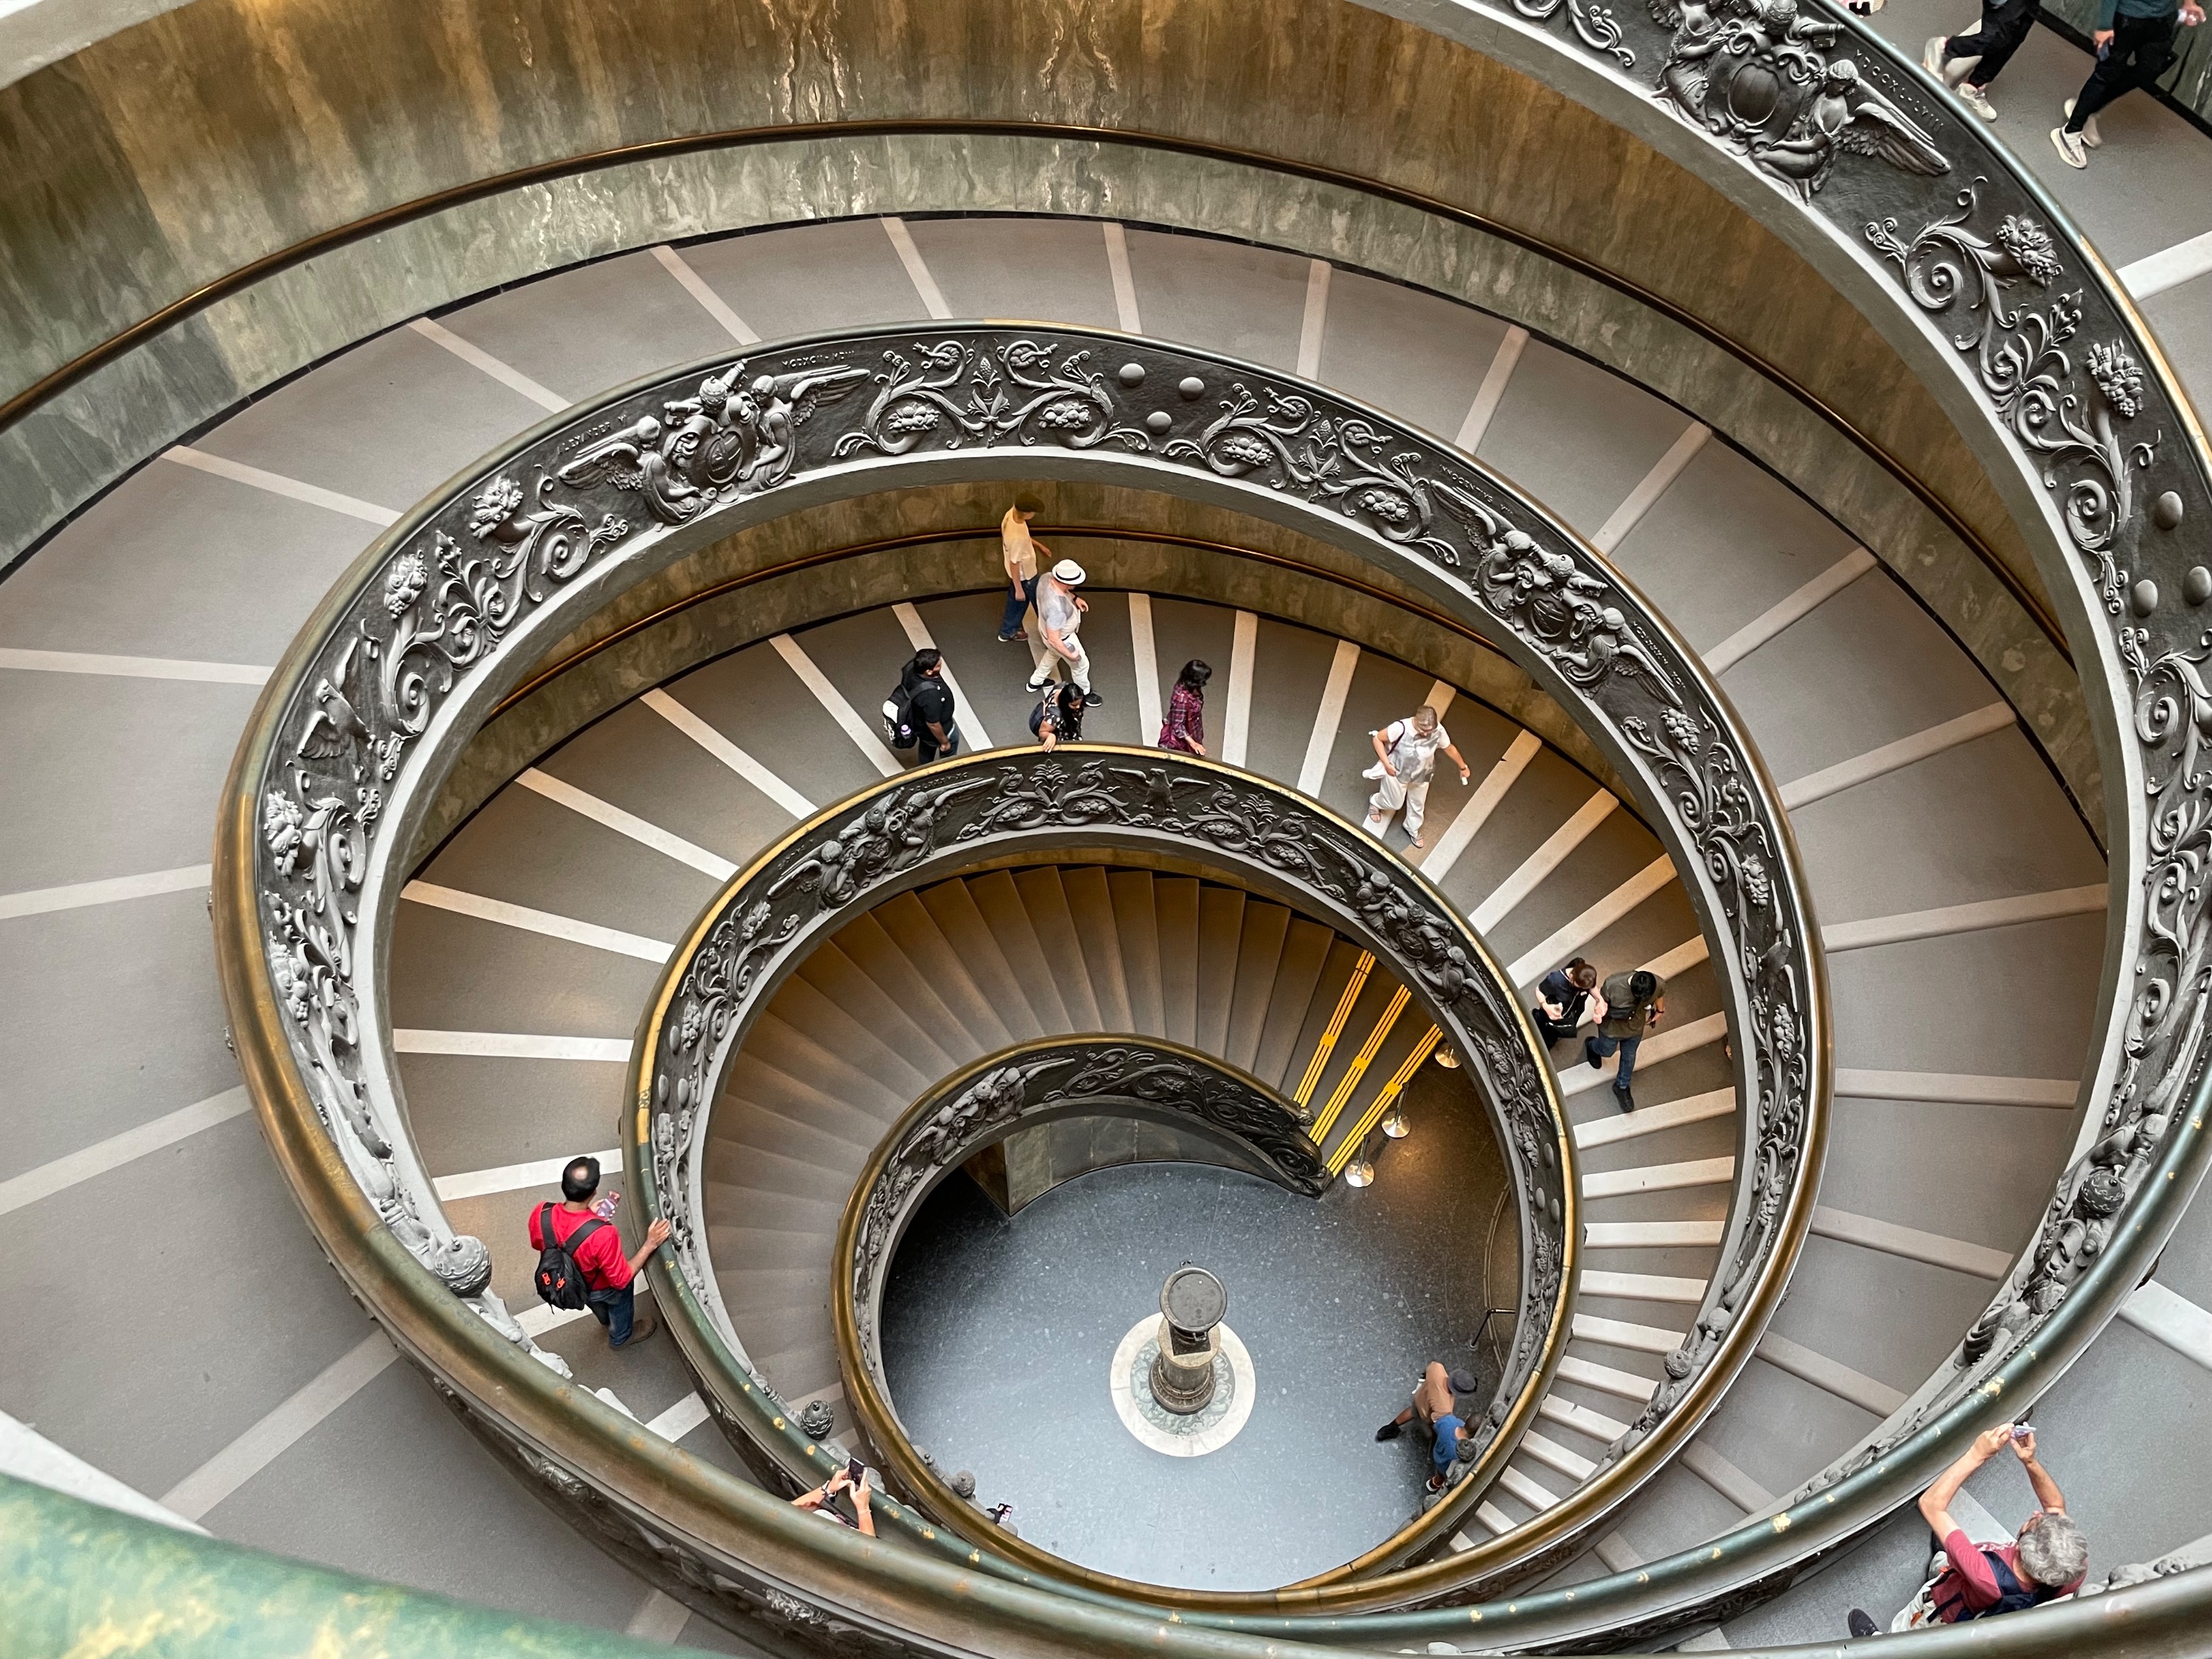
(454, 592)
(437, 612)
(2071, 429)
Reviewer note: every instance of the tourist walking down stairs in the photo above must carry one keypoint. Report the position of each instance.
(1059, 615)
(2134, 44)
(1404, 759)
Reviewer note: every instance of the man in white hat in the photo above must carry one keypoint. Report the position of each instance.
(1060, 616)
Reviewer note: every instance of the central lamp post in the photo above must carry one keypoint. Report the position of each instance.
(1192, 1305)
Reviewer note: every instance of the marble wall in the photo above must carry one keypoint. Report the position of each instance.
(190, 147)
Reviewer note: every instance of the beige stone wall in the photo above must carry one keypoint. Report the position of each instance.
(187, 148)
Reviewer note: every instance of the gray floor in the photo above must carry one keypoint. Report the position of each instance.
(997, 1335)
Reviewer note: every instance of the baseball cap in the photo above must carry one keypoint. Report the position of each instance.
(1068, 574)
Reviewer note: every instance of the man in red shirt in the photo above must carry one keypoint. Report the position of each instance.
(2047, 1558)
(606, 1271)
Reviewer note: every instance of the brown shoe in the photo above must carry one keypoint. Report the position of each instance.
(643, 1326)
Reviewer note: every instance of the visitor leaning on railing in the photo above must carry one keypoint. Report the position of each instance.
(2047, 1558)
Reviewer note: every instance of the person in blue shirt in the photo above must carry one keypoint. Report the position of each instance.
(2134, 44)
(1451, 1429)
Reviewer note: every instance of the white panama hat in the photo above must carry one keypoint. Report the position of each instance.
(1068, 574)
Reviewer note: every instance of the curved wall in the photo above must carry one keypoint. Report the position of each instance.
(193, 146)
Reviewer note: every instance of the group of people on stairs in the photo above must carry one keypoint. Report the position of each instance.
(1625, 1009)
(2134, 44)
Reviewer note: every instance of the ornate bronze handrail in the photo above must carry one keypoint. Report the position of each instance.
(955, 814)
(373, 703)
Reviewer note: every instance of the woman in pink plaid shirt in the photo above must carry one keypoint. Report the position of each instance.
(1184, 728)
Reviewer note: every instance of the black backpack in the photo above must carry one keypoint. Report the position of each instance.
(898, 718)
(559, 1279)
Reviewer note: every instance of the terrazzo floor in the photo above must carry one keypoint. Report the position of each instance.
(998, 1335)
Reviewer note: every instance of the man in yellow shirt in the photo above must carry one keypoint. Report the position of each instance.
(1021, 555)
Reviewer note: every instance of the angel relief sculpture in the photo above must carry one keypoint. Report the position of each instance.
(1759, 76)
(734, 438)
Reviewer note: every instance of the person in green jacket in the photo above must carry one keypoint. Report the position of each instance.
(2134, 44)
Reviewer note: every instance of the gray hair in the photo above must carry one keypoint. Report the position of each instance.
(2053, 1551)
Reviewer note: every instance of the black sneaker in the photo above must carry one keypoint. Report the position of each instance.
(1623, 1099)
(1390, 1431)
(1859, 1625)
(1589, 1052)
(1091, 700)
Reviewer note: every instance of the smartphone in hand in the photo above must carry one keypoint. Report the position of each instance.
(855, 1471)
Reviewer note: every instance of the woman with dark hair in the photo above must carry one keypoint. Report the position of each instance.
(1058, 718)
(1184, 728)
(1562, 999)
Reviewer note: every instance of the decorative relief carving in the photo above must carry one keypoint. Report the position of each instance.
(1762, 77)
(452, 591)
(2070, 429)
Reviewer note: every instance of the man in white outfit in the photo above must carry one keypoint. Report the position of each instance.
(1405, 760)
(1060, 618)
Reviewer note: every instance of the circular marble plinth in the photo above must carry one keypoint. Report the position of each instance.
(1235, 1386)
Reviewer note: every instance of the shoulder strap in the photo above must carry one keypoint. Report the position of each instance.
(553, 1241)
(575, 1240)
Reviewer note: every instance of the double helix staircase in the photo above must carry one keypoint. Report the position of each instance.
(933, 980)
(1960, 893)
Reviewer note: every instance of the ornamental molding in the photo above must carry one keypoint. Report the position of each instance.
(958, 813)
(373, 707)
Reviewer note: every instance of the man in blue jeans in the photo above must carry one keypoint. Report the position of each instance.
(1020, 554)
(2134, 44)
(607, 1272)
(1634, 1002)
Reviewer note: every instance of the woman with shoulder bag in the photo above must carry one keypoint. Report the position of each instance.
(1562, 1001)
(1058, 718)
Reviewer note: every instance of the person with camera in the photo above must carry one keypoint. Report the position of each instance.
(2047, 1558)
(822, 1499)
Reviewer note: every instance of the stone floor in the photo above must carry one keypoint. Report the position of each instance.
(997, 1334)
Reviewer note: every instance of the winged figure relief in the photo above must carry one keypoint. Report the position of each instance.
(1758, 75)
(1848, 114)
(734, 436)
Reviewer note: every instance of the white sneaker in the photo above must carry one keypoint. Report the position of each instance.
(1976, 100)
(2090, 136)
(1931, 57)
(2068, 145)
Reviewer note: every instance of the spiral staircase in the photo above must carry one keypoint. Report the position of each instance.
(1971, 708)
